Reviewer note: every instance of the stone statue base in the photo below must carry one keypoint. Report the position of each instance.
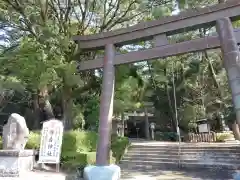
(236, 176)
(111, 172)
(14, 162)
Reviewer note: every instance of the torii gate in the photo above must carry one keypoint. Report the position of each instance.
(219, 15)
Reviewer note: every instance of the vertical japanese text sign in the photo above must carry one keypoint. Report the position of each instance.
(51, 142)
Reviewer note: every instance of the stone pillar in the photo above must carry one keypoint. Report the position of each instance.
(231, 58)
(106, 107)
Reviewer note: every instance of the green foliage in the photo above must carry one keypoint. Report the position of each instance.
(39, 53)
(73, 141)
(119, 146)
(79, 147)
(159, 12)
(78, 141)
(129, 88)
(92, 113)
(45, 55)
(221, 137)
(33, 140)
(77, 159)
(10, 83)
(189, 114)
(166, 136)
(81, 141)
(78, 117)
(80, 160)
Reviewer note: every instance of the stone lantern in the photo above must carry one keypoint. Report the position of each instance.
(152, 127)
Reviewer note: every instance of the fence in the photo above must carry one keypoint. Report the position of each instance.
(202, 137)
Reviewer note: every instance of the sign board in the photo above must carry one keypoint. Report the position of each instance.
(51, 142)
(203, 128)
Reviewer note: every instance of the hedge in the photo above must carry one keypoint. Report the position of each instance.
(33, 141)
(119, 146)
(166, 136)
(79, 147)
(222, 136)
(80, 159)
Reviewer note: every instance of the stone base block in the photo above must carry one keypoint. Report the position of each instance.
(236, 176)
(15, 162)
(111, 172)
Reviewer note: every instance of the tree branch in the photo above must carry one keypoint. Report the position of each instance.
(91, 16)
(104, 26)
(19, 9)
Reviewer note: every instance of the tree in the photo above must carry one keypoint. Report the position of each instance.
(51, 24)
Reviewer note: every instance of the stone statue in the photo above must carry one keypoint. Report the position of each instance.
(15, 133)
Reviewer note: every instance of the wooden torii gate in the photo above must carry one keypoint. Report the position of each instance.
(219, 15)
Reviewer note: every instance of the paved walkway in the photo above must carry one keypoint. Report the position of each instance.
(138, 175)
(178, 175)
(38, 176)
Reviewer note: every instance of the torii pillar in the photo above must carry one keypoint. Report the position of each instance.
(231, 59)
(102, 170)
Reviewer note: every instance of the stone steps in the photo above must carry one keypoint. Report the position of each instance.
(157, 156)
(151, 148)
(159, 151)
(175, 160)
(163, 153)
(174, 165)
(183, 158)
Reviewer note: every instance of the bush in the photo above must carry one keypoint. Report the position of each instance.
(33, 140)
(119, 146)
(221, 137)
(79, 147)
(166, 136)
(73, 141)
(78, 141)
(78, 159)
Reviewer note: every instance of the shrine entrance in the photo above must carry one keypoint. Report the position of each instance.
(157, 31)
(135, 129)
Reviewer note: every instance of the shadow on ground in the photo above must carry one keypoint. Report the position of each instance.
(180, 173)
(170, 174)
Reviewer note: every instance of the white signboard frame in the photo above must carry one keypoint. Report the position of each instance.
(203, 128)
(51, 142)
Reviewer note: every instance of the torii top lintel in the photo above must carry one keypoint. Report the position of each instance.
(185, 21)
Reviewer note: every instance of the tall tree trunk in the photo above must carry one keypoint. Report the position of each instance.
(45, 104)
(123, 125)
(235, 129)
(67, 104)
(147, 133)
(37, 112)
(173, 124)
